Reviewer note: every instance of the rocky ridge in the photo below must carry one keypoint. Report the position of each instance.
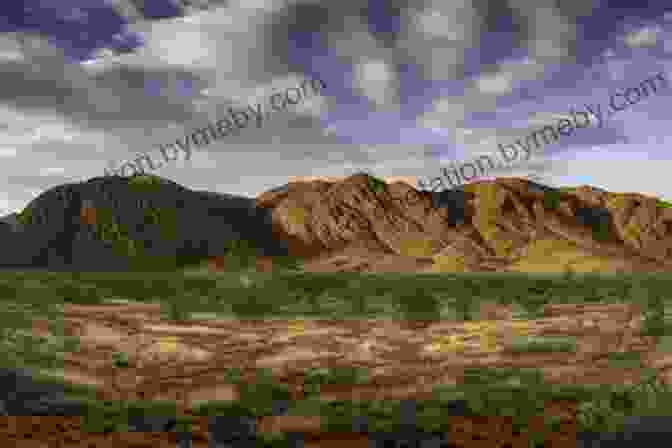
(356, 224)
(506, 225)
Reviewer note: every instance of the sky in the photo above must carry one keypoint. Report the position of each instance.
(411, 86)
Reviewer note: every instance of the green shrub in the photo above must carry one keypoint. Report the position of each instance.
(144, 183)
(654, 322)
(166, 218)
(107, 229)
(253, 302)
(261, 395)
(151, 217)
(551, 199)
(375, 185)
(517, 395)
(288, 262)
(241, 253)
(310, 287)
(25, 217)
(663, 204)
(232, 375)
(601, 232)
(625, 360)
(176, 312)
(120, 360)
(525, 344)
(315, 377)
(568, 274)
(420, 305)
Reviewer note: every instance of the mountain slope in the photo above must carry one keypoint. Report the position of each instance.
(364, 224)
(357, 224)
(109, 223)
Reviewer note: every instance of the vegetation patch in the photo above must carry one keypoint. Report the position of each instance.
(175, 312)
(165, 218)
(290, 294)
(232, 375)
(120, 360)
(419, 305)
(25, 217)
(601, 232)
(515, 393)
(375, 184)
(655, 321)
(488, 392)
(145, 183)
(551, 199)
(113, 416)
(286, 295)
(537, 344)
(109, 230)
(262, 396)
(349, 376)
(663, 204)
(240, 254)
(19, 347)
(625, 360)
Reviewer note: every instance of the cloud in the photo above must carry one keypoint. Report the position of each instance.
(439, 50)
(495, 83)
(419, 74)
(127, 9)
(7, 152)
(644, 37)
(10, 50)
(374, 78)
(48, 171)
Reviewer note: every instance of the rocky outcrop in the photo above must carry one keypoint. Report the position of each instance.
(502, 225)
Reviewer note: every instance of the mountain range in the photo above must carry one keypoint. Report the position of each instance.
(359, 223)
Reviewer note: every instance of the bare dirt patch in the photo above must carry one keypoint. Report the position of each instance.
(187, 361)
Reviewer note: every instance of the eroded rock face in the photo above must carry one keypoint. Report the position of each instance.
(503, 225)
